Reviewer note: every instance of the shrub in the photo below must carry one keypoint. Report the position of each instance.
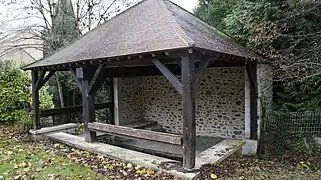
(15, 95)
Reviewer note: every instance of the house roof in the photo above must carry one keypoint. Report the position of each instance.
(149, 26)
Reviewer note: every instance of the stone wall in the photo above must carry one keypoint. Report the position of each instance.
(220, 102)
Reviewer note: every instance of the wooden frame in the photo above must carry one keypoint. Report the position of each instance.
(90, 77)
(38, 80)
(136, 133)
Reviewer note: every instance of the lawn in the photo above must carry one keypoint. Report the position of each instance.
(27, 161)
(22, 158)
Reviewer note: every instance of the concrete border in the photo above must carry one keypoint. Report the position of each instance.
(64, 127)
(141, 159)
(219, 152)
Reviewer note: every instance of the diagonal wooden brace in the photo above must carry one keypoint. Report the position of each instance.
(96, 79)
(78, 82)
(200, 71)
(169, 76)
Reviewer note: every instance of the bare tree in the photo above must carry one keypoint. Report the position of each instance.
(39, 17)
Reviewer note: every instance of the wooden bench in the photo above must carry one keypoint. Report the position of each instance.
(136, 133)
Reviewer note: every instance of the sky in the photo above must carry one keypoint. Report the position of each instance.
(186, 4)
(4, 15)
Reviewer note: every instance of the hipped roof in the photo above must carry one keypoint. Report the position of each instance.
(149, 26)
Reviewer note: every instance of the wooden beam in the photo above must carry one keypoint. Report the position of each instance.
(200, 71)
(189, 122)
(35, 100)
(71, 109)
(252, 74)
(137, 133)
(45, 79)
(169, 75)
(96, 79)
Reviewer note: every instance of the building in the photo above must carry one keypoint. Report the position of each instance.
(165, 65)
(19, 49)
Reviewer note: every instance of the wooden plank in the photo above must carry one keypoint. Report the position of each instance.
(35, 100)
(71, 109)
(96, 79)
(200, 71)
(137, 133)
(189, 122)
(169, 75)
(252, 74)
(46, 78)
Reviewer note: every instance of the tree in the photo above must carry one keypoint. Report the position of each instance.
(285, 32)
(58, 23)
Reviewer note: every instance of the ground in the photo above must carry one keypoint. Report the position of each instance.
(23, 158)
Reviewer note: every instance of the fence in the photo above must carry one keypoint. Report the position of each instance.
(293, 122)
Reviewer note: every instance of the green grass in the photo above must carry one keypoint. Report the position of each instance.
(31, 162)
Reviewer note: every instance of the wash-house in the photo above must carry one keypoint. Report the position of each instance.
(164, 65)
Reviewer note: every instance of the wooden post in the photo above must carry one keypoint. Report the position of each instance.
(111, 113)
(35, 100)
(84, 75)
(252, 74)
(189, 123)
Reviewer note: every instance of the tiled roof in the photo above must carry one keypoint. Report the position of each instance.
(149, 26)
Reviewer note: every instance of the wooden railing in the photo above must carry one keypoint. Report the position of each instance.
(71, 109)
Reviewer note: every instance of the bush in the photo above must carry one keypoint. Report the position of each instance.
(15, 95)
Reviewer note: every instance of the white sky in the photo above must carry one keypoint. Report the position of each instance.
(4, 15)
(186, 4)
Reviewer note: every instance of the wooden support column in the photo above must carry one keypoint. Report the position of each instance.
(252, 74)
(111, 114)
(35, 100)
(87, 78)
(189, 122)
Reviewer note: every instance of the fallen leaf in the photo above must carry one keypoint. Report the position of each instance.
(213, 176)
(140, 171)
(56, 146)
(150, 172)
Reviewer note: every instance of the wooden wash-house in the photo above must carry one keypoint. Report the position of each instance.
(159, 38)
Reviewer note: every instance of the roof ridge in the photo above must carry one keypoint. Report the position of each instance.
(190, 42)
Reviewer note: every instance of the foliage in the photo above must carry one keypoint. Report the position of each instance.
(15, 94)
(285, 32)
(304, 96)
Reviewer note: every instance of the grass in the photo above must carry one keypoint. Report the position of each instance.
(20, 160)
